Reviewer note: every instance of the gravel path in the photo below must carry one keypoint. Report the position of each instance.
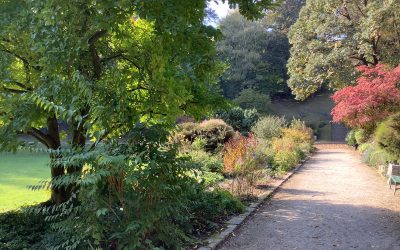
(333, 202)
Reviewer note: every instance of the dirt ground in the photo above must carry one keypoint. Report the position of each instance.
(333, 202)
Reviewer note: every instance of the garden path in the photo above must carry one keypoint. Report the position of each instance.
(332, 202)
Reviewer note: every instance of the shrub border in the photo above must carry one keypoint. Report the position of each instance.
(237, 221)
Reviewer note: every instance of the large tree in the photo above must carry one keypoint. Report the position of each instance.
(257, 51)
(331, 37)
(102, 67)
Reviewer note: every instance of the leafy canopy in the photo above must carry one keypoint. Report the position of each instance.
(256, 54)
(332, 36)
(74, 70)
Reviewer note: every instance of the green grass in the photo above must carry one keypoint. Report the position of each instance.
(17, 171)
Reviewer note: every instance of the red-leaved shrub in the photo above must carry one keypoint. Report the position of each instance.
(375, 96)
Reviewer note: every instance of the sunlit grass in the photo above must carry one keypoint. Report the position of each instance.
(17, 171)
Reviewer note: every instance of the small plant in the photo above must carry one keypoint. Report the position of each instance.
(206, 161)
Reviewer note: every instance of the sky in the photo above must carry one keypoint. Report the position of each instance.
(221, 9)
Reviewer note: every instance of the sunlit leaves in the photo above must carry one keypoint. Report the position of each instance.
(375, 97)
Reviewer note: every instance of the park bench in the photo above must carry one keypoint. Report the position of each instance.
(394, 176)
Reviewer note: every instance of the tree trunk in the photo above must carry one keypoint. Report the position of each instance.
(58, 195)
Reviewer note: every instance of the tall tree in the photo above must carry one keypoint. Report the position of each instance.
(283, 17)
(101, 67)
(255, 53)
(331, 37)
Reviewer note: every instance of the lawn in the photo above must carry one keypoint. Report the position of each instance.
(17, 171)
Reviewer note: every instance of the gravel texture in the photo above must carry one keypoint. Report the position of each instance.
(332, 202)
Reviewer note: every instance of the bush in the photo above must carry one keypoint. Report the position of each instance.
(240, 119)
(136, 194)
(245, 162)
(298, 136)
(206, 162)
(208, 208)
(199, 143)
(361, 136)
(269, 127)
(22, 230)
(249, 99)
(374, 156)
(286, 160)
(388, 136)
(351, 138)
(215, 132)
(295, 143)
(287, 154)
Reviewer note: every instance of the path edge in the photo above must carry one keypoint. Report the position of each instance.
(232, 225)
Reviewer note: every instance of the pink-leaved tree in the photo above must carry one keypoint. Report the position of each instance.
(375, 96)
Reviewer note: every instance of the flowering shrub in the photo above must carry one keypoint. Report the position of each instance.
(375, 96)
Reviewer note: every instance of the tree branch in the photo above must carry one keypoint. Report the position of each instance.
(40, 136)
(15, 91)
(93, 51)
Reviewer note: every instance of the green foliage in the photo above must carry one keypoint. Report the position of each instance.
(285, 161)
(330, 37)
(373, 155)
(388, 135)
(256, 54)
(215, 132)
(207, 208)
(268, 127)
(240, 119)
(294, 144)
(100, 69)
(21, 230)
(361, 136)
(137, 194)
(249, 99)
(199, 143)
(351, 138)
(205, 161)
